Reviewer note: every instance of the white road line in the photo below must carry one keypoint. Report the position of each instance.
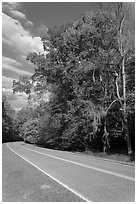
(58, 181)
(94, 157)
(90, 167)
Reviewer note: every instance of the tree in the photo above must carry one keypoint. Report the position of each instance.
(125, 42)
(30, 131)
(65, 70)
(9, 131)
(82, 71)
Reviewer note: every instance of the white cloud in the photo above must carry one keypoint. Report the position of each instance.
(7, 87)
(17, 37)
(10, 61)
(16, 96)
(11, 9)
(12, 65)
(6, 41)
(14, 69)
(18, 103)
(17, 14)
(20, 41)
(8, 6)
(7, 92)
(18, 100)
(13, 4)
(7, 83)
(29, 23)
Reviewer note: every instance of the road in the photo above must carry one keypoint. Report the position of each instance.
(87, 178)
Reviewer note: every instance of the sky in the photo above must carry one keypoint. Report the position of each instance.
(21, 26)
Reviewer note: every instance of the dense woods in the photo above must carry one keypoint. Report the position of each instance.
(10, 130)
(82, 94)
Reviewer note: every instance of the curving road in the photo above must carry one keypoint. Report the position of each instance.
(87, 178)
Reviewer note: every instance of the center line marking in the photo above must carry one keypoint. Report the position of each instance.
(90, 167)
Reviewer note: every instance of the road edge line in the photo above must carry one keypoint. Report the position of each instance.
(64, 185)
(80, 164)
(77, 154)
(112, 161)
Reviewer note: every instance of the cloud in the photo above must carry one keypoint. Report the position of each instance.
(17, 14)
(7, 92)
(16, 5)
(18, 103)
(18, 38)
(42, 30)
(29, 23)
(18, 100)
(14, 66)
(17, 96)
(7, 83)
(10, 61)
(11, 9)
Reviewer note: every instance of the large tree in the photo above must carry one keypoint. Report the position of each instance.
(123, 59)
(84, 72)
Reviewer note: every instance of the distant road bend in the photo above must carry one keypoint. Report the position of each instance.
(89, 178)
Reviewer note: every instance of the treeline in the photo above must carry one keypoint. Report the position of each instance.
(10, 130)
(88, 74)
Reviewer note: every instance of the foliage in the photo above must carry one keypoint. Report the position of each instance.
(9, 130)
(30, 131)
(82, 71)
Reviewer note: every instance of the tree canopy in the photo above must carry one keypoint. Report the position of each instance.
(10, 130)
(87, 67)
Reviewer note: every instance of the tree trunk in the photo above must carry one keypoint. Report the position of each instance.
(130, 151)
(122, 53)
(105, 139)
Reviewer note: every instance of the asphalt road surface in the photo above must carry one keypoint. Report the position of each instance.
(78, 177)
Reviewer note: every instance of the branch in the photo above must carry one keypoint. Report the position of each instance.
(93, 76)
(108, 18)
(117, 88)
(112, 104)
